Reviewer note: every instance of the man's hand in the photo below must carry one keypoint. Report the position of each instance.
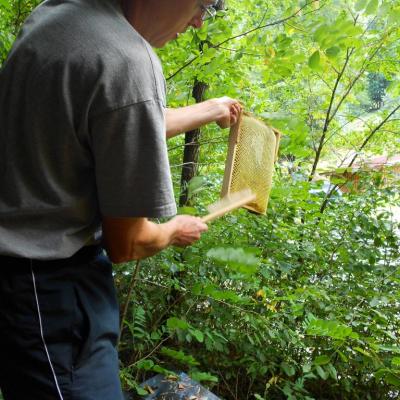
(224, 111)
(229, 111)
(187, 230)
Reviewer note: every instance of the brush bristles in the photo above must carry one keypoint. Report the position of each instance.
(229, 199)
(229, 203)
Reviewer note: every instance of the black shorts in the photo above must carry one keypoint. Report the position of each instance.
(59, 325)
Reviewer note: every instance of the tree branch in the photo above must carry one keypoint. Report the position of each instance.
(367, 139)
(354, 81)
(328, 114)
(281, 21)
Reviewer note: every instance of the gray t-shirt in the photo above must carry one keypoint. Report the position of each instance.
(82, 132)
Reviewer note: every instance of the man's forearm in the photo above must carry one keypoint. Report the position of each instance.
(127, 239)
(185, 119)
(133, 238)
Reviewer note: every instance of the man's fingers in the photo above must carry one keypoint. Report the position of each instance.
(231, 111)
(235, 113)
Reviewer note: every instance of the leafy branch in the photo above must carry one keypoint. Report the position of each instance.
(241, 35)
(333, 109)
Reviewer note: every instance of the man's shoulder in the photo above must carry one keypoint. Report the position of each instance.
(76, 28)
(89, 48)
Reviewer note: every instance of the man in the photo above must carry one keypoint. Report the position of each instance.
(83, 161)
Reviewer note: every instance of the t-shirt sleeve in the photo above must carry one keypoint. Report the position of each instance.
(131, 161)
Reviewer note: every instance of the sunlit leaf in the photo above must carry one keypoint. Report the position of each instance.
(198, 335)
(176, 323)
(179, 356)
(372, 7)
(242, 260)
(314, 60)
(322, 360)
(360, 5)
(203, 376)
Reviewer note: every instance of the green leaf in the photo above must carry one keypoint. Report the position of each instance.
(196, 185)
(314, 60)
(179, 356)
(332, 371)
(6, 4)
(155, 335)
(394, 17)
(140, 391)
(203, 376)
(187, 210)
(160, 370)
(322, 360)
(202, 33)
(392, 379)
(198, 335)
(380, 373)
(288, 369)
(332, 329)
(197, 289)
(321, 373)
(396, 361)
(332, 52)
(307, 368)
(218, 294)
(362, 351)
(360, 5)
(338, 181)
(372, 7)
(146, 365)
(176, 323)
(343, 356)
(241, 260)
(374, 302)
(391, 349)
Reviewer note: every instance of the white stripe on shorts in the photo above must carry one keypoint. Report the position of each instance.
(42, 335)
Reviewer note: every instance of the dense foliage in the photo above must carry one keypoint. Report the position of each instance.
(302, 303)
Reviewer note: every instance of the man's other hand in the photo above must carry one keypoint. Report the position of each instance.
(187, 230)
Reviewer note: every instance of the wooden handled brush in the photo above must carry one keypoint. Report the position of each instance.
(228, 203)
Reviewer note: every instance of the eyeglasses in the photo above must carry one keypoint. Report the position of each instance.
(208, 11)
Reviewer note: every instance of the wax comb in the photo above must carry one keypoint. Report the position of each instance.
(253, 150)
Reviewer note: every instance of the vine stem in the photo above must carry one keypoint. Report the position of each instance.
(128, 298)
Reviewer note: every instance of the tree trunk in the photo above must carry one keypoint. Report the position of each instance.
(192, 146)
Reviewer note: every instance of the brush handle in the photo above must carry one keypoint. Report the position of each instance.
(230, 207)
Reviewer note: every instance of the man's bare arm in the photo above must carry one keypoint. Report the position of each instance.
(127, 239)
(224, 111)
